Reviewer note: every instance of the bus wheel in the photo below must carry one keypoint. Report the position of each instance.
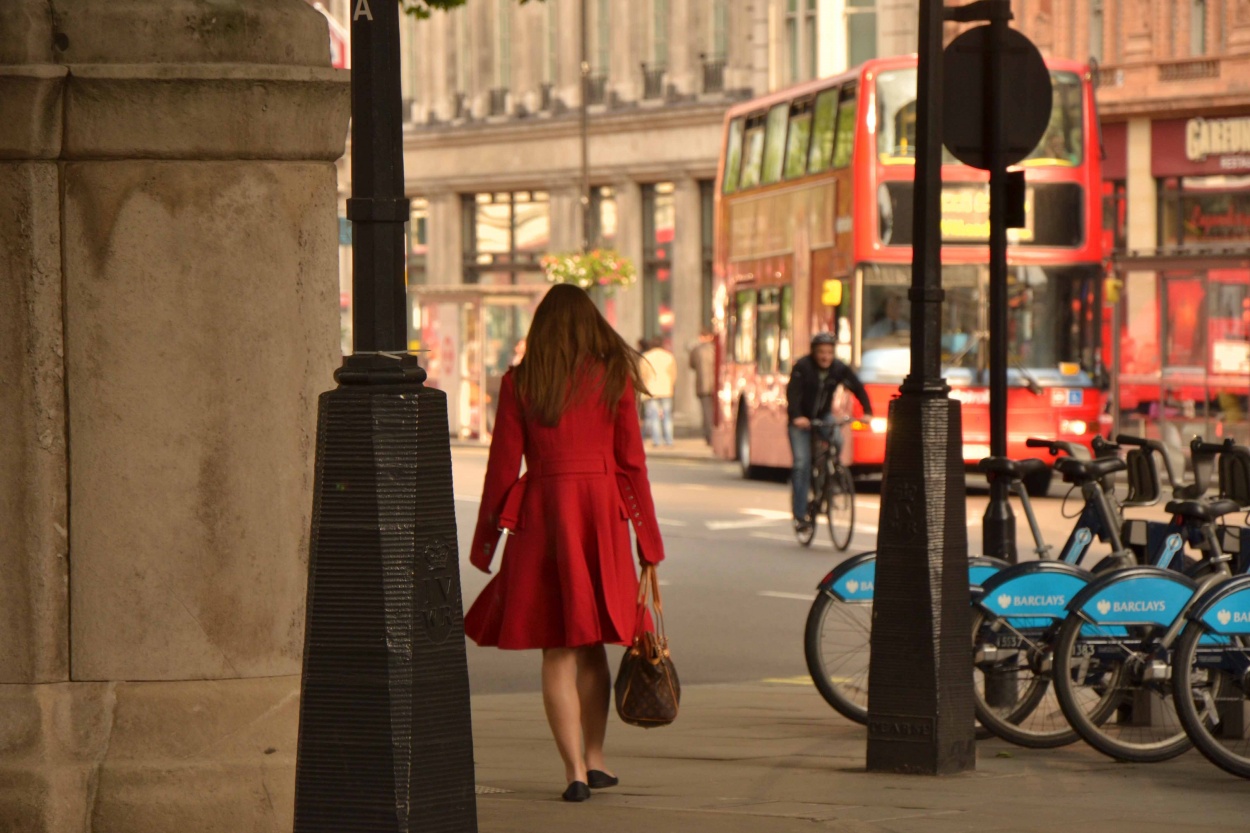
(742, 443)
(1038, 483)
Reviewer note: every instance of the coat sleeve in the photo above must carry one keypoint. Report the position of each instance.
(502, 466)
(631, 478)
(794, 393)
(855, 386)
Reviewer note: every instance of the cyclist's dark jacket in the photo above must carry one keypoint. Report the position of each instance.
(807, 397)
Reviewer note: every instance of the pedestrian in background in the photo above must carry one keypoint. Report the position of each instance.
(566, 583)
(659, 376)
(703, 363)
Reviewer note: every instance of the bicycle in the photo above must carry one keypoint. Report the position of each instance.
(831, 491)
(1112, 673)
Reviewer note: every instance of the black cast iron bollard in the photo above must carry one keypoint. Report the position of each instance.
(385, 736)
(920, 717)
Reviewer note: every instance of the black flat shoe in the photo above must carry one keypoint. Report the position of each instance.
(598, 779)
(577, 791)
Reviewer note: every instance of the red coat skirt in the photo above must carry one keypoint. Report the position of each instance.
(567, 575)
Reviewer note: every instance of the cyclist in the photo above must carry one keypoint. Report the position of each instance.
(809, 398)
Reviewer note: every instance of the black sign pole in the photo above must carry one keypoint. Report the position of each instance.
(920, 717)
(385, 735)
(998, 530)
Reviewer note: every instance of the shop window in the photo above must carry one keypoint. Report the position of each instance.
(1185, 321)
(658, 228)
(417, 235)
(505, 236)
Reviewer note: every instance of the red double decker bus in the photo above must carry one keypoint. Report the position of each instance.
(813, 233)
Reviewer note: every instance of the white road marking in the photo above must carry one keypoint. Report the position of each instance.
(670, 522)
(773, 536)
(762, 517)
(778, 594)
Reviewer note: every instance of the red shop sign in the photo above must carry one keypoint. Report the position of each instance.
(1188, 147)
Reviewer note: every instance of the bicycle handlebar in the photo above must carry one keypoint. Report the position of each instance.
(1055, 446)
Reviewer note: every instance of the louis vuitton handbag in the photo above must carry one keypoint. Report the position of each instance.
(647, 690)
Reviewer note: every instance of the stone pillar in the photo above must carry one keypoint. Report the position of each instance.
(566, 218)
(683, 54)
(446, 243)
(627, 54)
(169, 249)
(687, 298)
(628, 302)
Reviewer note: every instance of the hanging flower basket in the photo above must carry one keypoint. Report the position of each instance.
(605, 268)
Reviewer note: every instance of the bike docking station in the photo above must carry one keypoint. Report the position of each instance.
(920, 702)
(385, 735)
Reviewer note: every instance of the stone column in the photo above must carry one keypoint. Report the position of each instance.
(566, 218)
(625, 74)
(446, 247)
(628, 302)
(687, 298)
(169, 249)
(683, 57)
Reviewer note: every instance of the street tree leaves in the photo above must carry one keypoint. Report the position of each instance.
(422, 8)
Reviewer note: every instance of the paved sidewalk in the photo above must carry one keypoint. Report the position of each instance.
(774, 758)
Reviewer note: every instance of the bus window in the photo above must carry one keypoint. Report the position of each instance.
(733, 156)
(768, 332)
(785, 349)
(744, 326)
(796, 140)
(896, 114)
(775, 143)
(845, 140)
(753, 155)
(822, 131)
(1061, 143)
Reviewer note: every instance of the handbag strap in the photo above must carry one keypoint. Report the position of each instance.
(649, 585)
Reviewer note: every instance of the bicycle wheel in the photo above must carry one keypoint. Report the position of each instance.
(841, 514)
(1114, 691)
(1215, 713)
(836, 643)
(1011, 688)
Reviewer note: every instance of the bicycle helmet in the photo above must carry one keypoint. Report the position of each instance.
(824, 338)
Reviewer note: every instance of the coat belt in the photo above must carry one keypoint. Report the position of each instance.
(510, 513)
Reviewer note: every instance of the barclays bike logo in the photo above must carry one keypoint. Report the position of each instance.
(1141, 606)
(1006, 600)
(854, 586)
(1226, 616)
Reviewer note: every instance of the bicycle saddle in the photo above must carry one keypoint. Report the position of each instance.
(1083, 471)
(1204, 511)
(1014, 469)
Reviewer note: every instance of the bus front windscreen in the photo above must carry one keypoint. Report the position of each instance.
(1061, 144)
(1051, 325)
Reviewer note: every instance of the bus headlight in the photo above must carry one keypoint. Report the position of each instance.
(1072, 426)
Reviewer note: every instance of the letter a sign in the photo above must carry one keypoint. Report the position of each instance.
(362, 8)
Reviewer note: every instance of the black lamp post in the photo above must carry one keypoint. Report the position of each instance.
(385, 738)
(920, 717)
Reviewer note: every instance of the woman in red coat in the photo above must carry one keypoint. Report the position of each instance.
(566, 583)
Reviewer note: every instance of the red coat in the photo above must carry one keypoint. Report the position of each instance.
(567, 576)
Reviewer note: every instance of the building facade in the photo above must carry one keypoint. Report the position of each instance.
(502, 169)
(1175, 112)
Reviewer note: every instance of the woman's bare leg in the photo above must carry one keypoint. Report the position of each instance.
(561, 701)
(593, 691)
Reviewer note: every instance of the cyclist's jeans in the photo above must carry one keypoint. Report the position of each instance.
(659, 413)
(801, 474)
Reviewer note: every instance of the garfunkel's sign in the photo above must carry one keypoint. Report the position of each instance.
(1192, 147)
(1216, 137)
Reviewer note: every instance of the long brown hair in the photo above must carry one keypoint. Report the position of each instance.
(567, 339)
